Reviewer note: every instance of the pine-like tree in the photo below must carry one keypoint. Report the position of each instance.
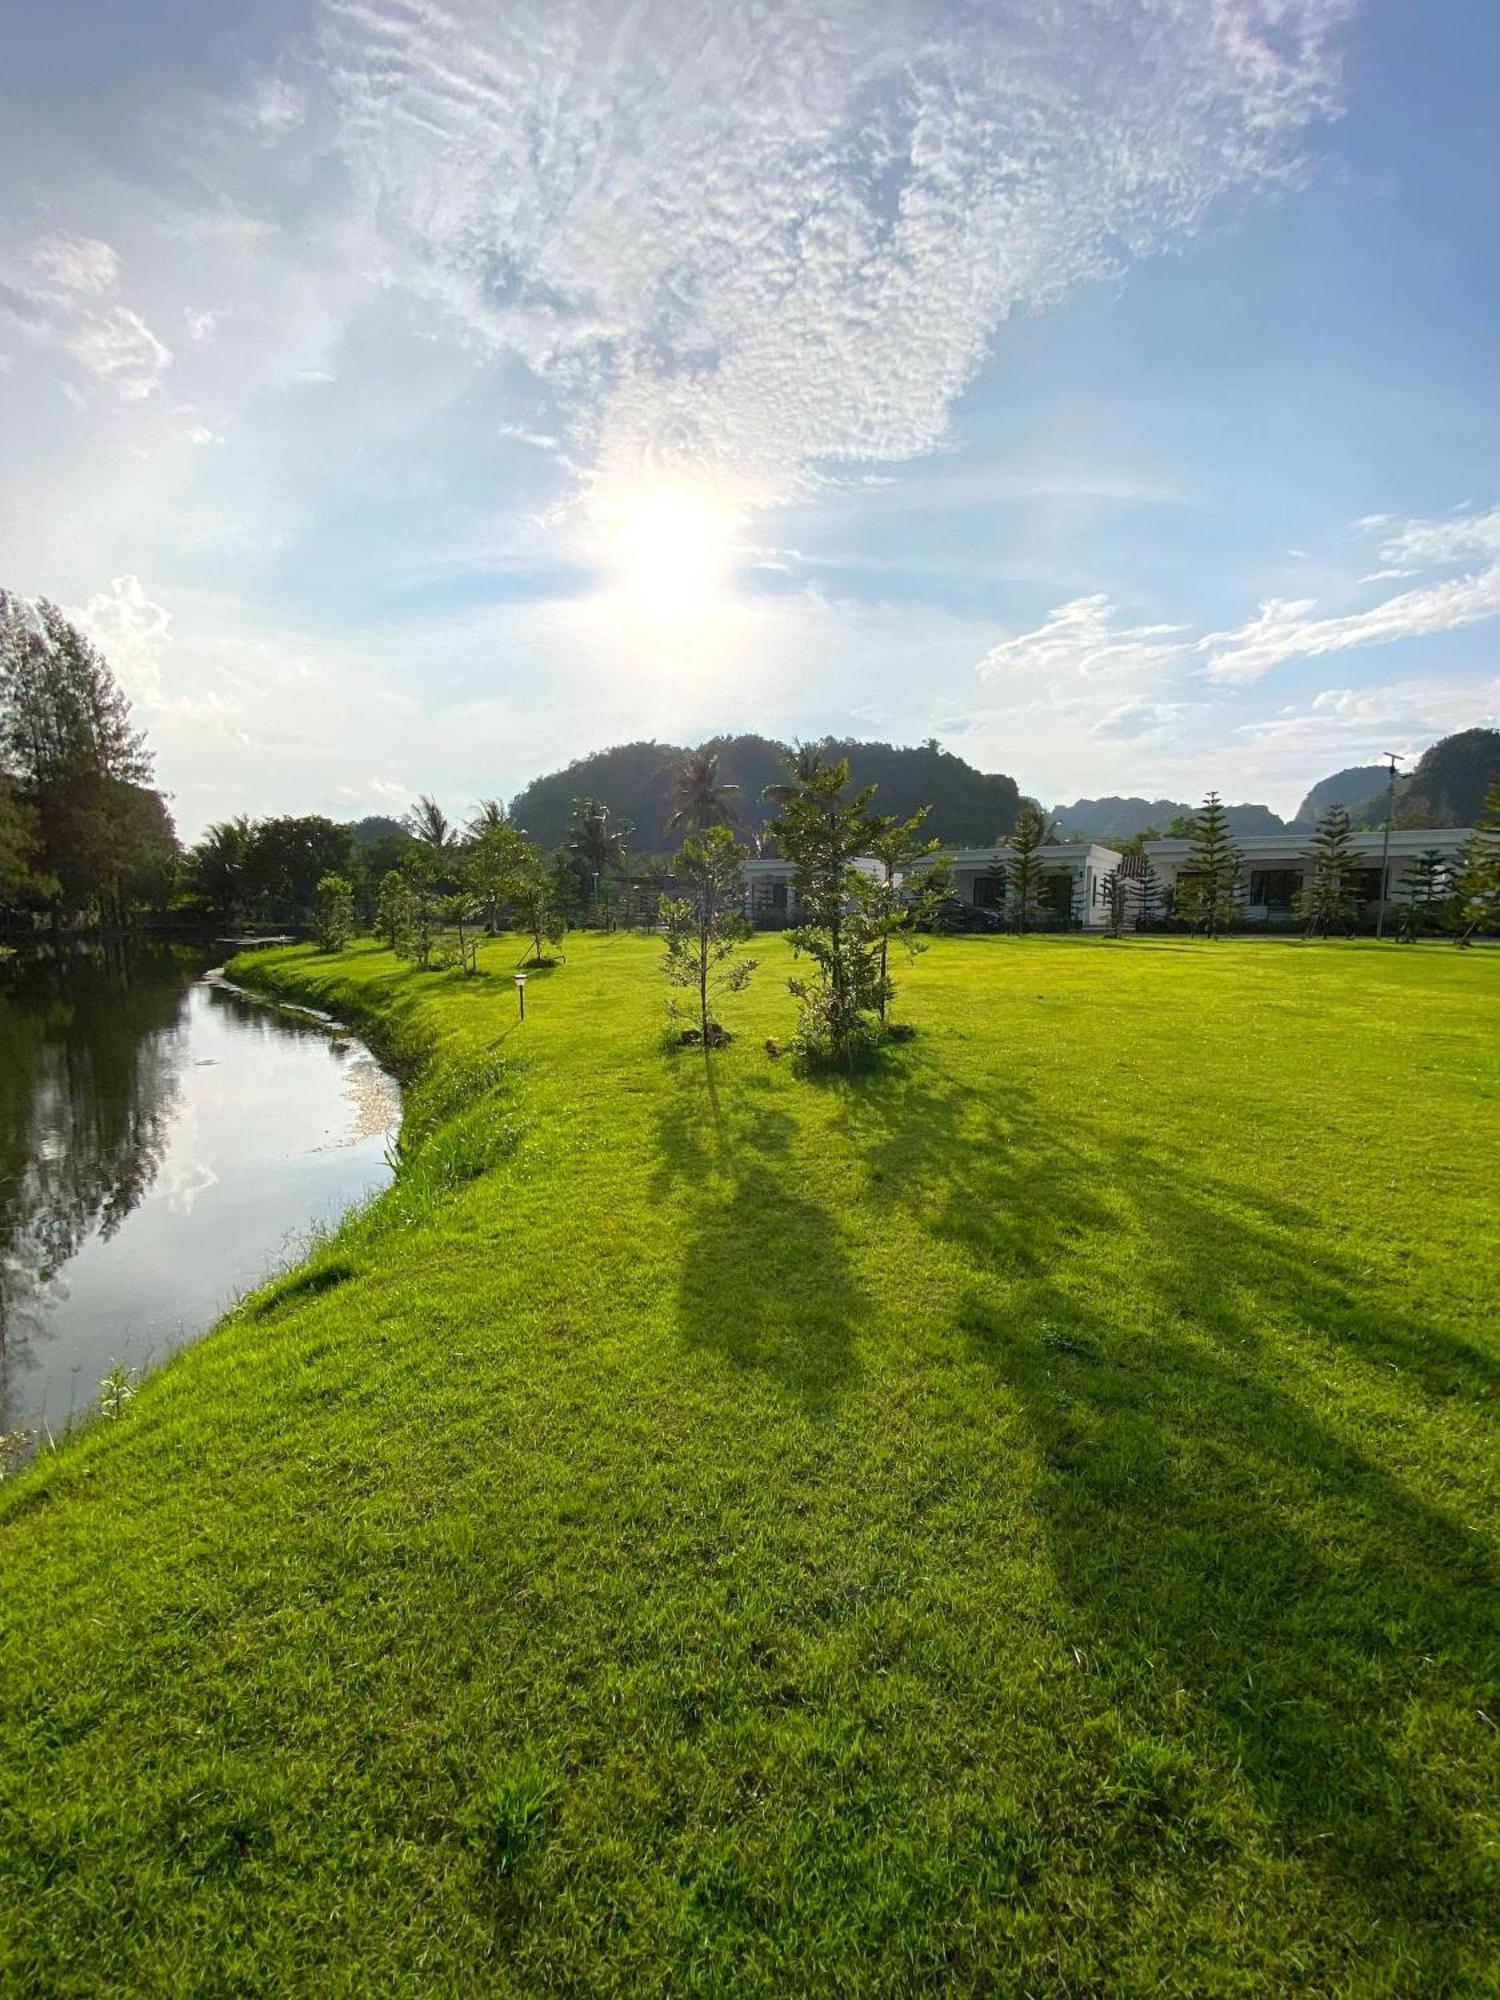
(1478, 880)
(1207, 889)
(706, 925)
(822, 829)
(1024, 871)
(1427, 888)
(1327, 901)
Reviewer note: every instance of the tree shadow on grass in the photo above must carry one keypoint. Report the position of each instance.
(1227, 1535)
(764, 1278)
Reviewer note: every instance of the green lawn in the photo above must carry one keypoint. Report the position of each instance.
(1022, 1522)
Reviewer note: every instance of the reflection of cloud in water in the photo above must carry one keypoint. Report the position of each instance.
(375, 1098)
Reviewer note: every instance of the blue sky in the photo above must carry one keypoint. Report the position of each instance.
(416, 396)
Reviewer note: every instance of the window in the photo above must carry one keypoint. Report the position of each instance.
(1276, 888)
(989, 891)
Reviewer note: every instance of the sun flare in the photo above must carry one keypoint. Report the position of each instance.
(670, 546)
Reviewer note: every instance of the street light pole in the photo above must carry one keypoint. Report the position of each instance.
(1385, 845)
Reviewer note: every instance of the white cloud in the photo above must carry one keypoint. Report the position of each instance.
(72, 264)
(1285, 629)
(742, 246)
(63, 300)
(119, 349)
(1081, 646)
(200, 325)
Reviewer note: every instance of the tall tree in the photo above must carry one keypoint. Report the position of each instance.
(80, 765)
(431, 827)
(595, 846)
(1327, 901)
(219, 868)
(706, 925)
(1024, 870)
(1478, 879)
(700, 799)
(1428, 886)
(1207, 888)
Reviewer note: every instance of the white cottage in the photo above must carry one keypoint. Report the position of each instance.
(1277, 863)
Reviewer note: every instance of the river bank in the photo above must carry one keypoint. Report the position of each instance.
(1004, 1524)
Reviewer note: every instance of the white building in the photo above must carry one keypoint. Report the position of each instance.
(1073, 875)
(1277, 863)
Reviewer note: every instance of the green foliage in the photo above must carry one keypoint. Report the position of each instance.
(822, 828)
(1427, 892)
(1477, 883)
(393, 915)
(1022, 866)
(1019, 1522)
(700, 797)
(460, 916)
(538, 894)
(333, 912)
(707, 924)
(1327, 901)
(899, 903)
(84, 832)
(115, 1391)
(1208, 889)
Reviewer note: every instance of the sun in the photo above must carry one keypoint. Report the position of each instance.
(670, 545)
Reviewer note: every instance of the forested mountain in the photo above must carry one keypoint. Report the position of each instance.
(1448, 786)
(1098, 819)
(970, 808)
(1351, 787)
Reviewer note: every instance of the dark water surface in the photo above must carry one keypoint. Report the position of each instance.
(165, 1142)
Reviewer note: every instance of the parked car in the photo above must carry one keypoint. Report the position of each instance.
(952, 915)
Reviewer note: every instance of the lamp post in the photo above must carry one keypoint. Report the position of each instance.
(521, 994)
(1396, 758)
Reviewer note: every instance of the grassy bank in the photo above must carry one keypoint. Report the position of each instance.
(1024, 1521)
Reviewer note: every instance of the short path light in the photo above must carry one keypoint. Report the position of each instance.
(521, 993)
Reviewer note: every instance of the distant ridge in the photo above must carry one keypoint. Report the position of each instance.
(970, 808)
(1096, 819)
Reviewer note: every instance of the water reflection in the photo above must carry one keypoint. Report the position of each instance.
(163, 1142)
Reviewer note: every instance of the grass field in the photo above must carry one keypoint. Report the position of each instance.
(1020, 1522)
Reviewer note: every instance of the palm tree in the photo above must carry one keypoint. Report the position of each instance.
(595, 845)
(488, 815)
(700, 801)
(428, 823)
(804, 764)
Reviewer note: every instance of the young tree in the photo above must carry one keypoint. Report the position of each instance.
(1478, 880)
(1024, 873)
(706, 926)
(1113, 891)
(494, 862)
(905, 895)
(393, 913)
(542, 912)
(333, 912)
(1207, 888)
(421, 909)
(700, 799)
(821, 830)
(461, 914)
(1327, 901)
(1427, 888)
